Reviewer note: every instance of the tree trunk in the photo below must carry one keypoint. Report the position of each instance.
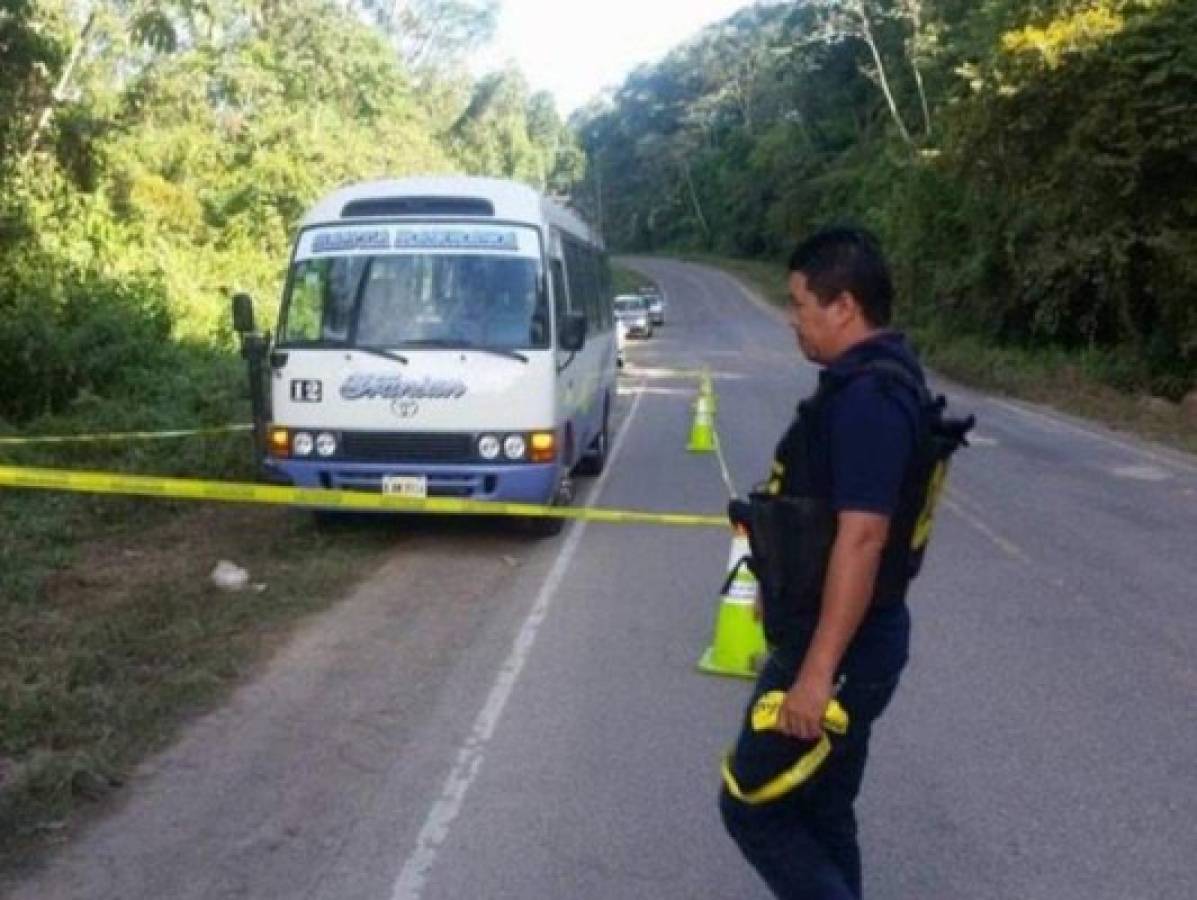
(867, 33)
(702, 220)
(598, 196)
(914, 12)
(918, 80)
(60, 89)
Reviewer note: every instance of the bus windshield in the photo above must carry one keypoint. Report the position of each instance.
(417, 299)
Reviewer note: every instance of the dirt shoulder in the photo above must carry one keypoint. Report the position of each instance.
(112, 634)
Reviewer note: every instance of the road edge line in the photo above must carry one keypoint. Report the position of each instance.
(417, 868)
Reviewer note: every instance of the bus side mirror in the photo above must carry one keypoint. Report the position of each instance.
(573, 332)
(243, 313)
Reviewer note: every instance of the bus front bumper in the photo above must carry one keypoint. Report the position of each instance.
(526, 483)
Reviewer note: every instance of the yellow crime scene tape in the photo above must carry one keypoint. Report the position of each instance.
(244, 492)
(89, 482)
(120, 436)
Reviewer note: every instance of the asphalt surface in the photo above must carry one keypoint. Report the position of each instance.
(493, 716)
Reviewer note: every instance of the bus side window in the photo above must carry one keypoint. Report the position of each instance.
(560, 302)
(575, 271)
(587, 267)
(595, 310)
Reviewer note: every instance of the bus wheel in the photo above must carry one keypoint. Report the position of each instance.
(592, 464)
(548, 526)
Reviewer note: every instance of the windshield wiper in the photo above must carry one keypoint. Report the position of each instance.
(466, 345)
(385, 354)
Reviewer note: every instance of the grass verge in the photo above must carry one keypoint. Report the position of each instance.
(111, 632)
(1074, 382)
(627, 281)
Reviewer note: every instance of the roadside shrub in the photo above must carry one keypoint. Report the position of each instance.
(67, 333)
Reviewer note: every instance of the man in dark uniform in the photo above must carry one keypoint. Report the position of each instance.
(850, 453)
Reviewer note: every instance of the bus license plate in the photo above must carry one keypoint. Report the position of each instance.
(414, 487)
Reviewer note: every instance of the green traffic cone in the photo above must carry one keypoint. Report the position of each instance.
(738, 648)
(702, 433)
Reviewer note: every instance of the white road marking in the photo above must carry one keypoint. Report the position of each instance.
(413, 877)
(1057, 424)
(1011, 549)
(979, 440)
(627, 391)
(636, 371)
(1141, 473)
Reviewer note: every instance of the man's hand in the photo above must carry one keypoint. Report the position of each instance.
(804, 706)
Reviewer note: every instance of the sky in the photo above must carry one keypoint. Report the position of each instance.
(575, 48)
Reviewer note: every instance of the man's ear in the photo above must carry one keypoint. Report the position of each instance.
(847, 307)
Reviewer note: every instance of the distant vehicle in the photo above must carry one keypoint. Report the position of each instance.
(656, 305)
(621, 341)
(632, 310)
(443, 337)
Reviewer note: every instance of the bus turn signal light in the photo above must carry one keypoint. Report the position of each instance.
(280, 442)
(544, 446)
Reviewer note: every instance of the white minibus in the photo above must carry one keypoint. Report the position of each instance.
(443, 337)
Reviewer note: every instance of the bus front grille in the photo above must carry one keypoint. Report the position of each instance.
(405, 446)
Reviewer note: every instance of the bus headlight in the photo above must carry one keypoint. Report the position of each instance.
(302, 443)
(326, 444)
(488, 446)
(514, 447)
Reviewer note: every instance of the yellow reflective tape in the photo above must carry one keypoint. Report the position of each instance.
(119, 436)
(241, 492)
(778, 787)
(765, 715)
(926, 519)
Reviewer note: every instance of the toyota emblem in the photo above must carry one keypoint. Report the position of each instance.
(405, 409)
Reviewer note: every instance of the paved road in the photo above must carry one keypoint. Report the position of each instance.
(489, 716)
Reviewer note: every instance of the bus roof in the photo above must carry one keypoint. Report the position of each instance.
(512, 201)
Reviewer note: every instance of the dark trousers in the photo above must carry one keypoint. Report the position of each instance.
(804, 845)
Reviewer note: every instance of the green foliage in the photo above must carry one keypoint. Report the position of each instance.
(186, 139)
(155, 157)
(28, 56)
(1044, 201)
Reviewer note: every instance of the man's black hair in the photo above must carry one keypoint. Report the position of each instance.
(849, 259)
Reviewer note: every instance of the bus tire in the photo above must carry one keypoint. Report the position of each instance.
(591, 465)
(549, 526)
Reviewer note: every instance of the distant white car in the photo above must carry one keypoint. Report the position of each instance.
(656, 305)
(632, 311)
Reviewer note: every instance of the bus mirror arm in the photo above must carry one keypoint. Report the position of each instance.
(255, 348)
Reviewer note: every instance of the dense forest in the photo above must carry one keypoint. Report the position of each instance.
(1030, 164)
(156, 155)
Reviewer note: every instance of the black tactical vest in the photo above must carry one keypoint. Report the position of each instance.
(791, 523)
